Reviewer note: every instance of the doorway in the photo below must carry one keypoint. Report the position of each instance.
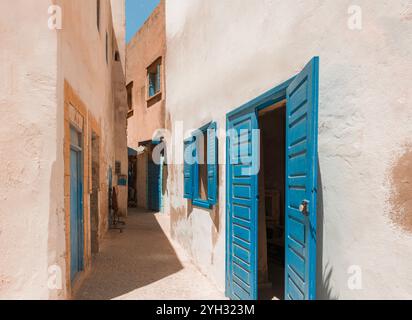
(271, 185)
(271, 205)
(155, 181)
(76, 204)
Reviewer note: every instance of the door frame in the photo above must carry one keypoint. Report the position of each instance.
(159, 181)
(267, 99)
(80, 173)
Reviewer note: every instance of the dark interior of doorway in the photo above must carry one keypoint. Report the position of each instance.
(271, 228)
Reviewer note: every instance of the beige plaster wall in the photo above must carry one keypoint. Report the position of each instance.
(31, 215)
(146, 47)
(36, 62)
(236, 50)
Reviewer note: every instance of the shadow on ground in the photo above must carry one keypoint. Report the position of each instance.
(139, 256)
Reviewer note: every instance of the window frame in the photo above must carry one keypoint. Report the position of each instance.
(130, 99)
(98, 16)
(196, 198)
(158, 63)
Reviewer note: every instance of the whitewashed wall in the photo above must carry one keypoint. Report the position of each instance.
(221, 54)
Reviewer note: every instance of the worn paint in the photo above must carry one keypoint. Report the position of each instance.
(401, 191)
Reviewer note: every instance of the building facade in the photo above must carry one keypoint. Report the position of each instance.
(335, 145)
(64, 99)
(146, 54)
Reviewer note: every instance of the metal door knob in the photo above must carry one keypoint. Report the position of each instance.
(303, 208)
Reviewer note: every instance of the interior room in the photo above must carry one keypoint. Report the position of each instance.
(271, 228)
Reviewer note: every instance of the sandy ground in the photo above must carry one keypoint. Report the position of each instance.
(143, 263)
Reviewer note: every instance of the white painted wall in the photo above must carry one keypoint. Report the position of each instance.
(232, 51)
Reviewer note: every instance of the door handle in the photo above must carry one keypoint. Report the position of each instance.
(303, 208)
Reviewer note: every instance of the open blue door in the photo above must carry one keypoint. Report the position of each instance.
(242, 206)
(301, 184)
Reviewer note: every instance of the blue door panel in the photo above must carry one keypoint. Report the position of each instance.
(242, 209)
(76, 214)
(301, 184)
(154, 186)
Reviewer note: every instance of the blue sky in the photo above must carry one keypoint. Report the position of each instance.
(137, 11)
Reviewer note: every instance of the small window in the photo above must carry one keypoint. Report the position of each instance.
(154, 79)
(129, 89)
(98, 14)
(201, 167)
(117, 56)
(201, 146)
(107, 48)
(118, 168)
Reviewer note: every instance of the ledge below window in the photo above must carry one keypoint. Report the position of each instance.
(157, 95)
(130, 114)
(202, 203)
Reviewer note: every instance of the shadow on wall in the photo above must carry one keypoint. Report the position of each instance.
(324, 289)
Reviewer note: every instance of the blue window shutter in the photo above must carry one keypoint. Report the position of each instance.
(188, 168)
(212, 163)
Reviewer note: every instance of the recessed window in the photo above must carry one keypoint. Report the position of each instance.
(107, 48)
(118, 168)
(154, 85)
(98, 14)
(201, 167)
(117, 56)
(129, 89)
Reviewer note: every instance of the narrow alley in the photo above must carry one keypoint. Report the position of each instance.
(144, 263)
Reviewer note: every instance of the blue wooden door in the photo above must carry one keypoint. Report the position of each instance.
(243, 157)
(76, 213)
(301, 184)
(154, 186)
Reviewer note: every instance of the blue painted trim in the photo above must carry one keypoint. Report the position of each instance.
(264, 100)
(196, 200)
(78, 150)
(202, 203)
(314, 174)
(227, 223)
(261, 102)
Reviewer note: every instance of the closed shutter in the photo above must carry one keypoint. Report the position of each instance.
(189, 153)
(212, 164)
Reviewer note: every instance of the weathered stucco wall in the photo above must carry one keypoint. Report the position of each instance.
(96, 78)
(36, 63)
(232, 51)
(28, 148)
(145, 48)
